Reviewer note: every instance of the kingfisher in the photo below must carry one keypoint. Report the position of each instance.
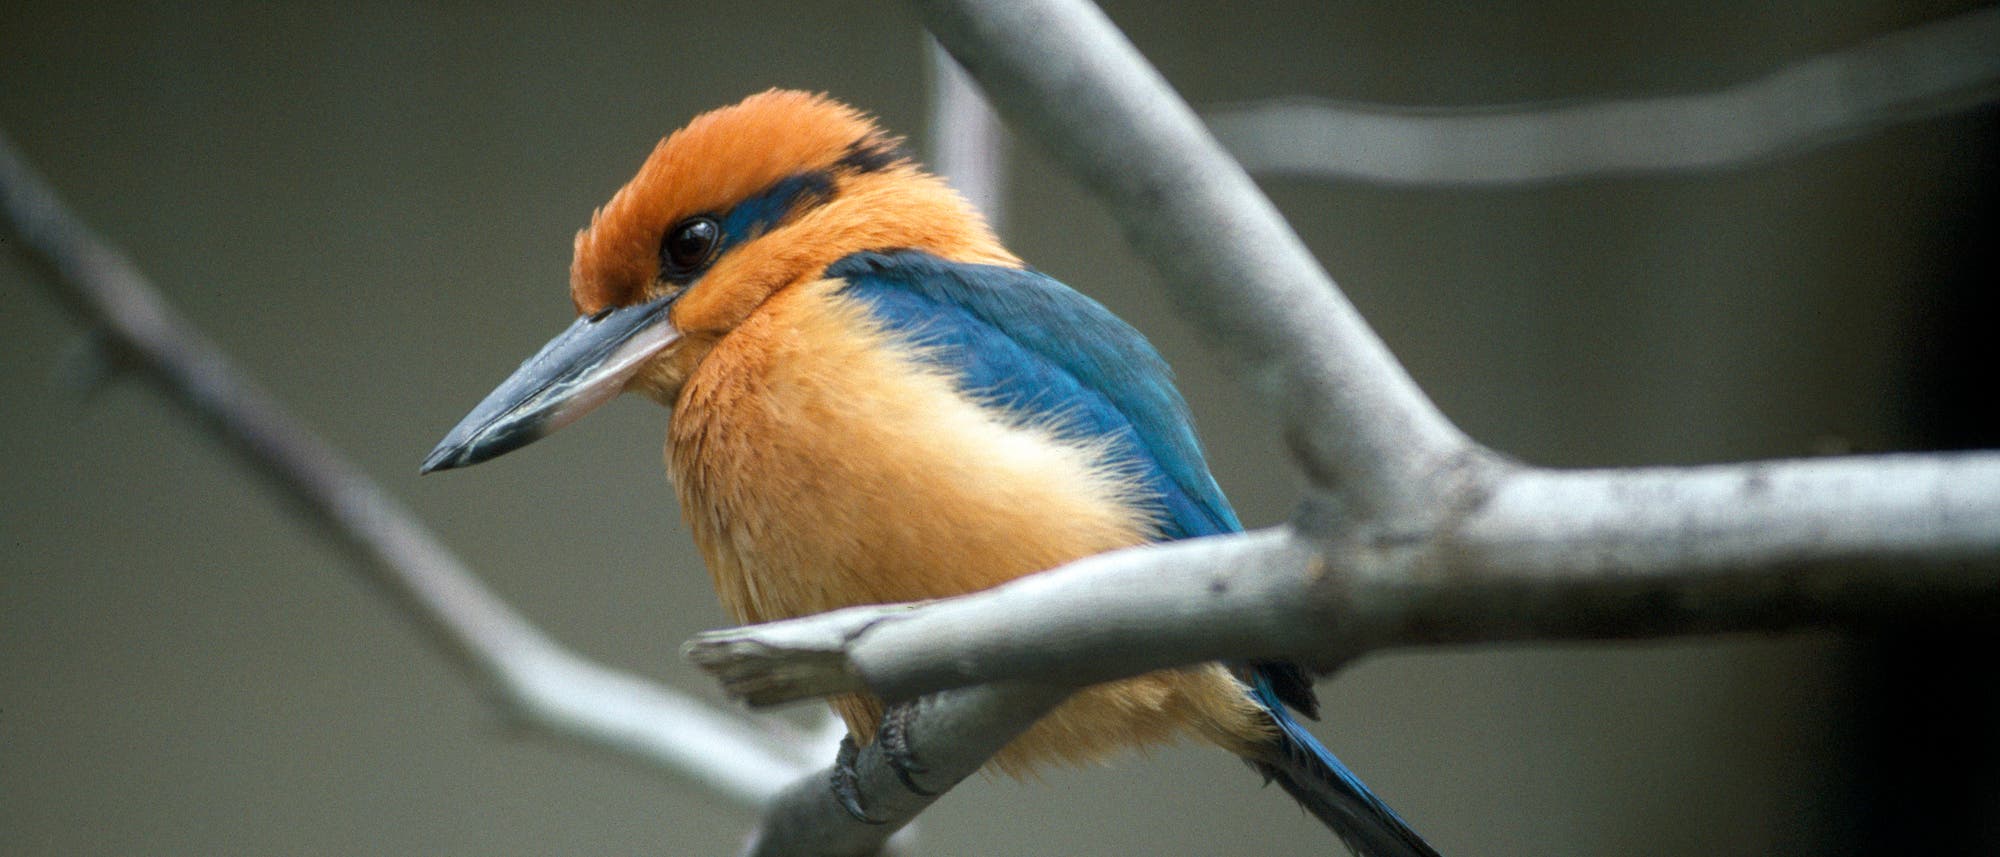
(873, 401)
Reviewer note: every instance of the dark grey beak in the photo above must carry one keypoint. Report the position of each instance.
(578, 370)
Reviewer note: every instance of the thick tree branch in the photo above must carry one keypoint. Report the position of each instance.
(1061, 73)
(1930, 70)
(1765, 546)
(1541, 555)
(527, 675)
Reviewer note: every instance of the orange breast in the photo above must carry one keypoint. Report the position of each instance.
(821, 464)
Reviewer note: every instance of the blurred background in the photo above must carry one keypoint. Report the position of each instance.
(370, 206)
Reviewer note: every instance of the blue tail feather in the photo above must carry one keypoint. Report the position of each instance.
(1310, 773)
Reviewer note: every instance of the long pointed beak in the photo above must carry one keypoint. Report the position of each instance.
(583, 367)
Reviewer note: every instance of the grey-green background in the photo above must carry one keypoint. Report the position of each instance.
(371, 205)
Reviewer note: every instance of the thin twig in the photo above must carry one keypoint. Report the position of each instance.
(527, 675)
(1930, 70)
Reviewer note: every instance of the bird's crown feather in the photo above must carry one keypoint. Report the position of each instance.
(775, 153)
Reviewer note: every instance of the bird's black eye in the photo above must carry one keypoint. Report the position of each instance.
(688, 246)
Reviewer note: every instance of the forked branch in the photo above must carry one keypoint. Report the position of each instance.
(1412, 533)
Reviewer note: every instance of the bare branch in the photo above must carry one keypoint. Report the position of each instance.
(1930, 70)
(1064, 75)
(528, 675)
(1767, 546)
(1224, 594)
(1545, 555)
(779, 662)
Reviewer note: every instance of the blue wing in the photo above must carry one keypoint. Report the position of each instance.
(1037, 348)
(1042, 350)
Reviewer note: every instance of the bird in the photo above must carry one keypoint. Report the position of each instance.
(873, 401)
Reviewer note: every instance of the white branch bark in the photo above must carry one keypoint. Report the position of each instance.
(1540, 555)
(1158, 605)
(1930, 70)
(528, 676)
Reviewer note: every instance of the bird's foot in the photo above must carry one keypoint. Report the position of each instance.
(894, 737)
(847, 782)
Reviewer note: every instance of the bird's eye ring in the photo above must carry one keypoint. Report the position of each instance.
(688, 247)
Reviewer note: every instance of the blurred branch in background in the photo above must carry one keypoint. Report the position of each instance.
(1411, 527)
(529, 677)
(1929, 70)
(968, 144)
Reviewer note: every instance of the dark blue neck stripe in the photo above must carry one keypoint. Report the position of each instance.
(761, 213)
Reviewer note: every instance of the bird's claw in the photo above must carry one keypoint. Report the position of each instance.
(895, 740)
(847, 782)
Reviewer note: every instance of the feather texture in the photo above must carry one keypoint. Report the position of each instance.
(1044, 354)
(822, 462)
(874, 401)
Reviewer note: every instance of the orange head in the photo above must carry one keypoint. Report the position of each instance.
(745, 201)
